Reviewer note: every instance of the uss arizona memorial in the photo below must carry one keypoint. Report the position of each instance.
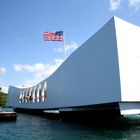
(102, 74)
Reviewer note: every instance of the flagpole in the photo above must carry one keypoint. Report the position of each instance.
(51, 36)
(64, 41)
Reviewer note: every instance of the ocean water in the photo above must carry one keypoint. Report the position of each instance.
(31, 127)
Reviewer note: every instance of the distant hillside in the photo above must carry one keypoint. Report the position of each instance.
(3, 97)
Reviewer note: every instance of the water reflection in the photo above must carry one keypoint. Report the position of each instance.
(55, 128)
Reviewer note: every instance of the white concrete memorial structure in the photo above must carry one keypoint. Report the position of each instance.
(102, 73)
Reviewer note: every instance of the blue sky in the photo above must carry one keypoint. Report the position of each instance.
(25, 58)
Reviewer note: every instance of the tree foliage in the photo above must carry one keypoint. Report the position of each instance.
(3, 98)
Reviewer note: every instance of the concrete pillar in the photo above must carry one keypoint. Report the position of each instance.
(34, 94)
(30, 90)
(20, 96)
(45, 91)
(42, 92)
(39, 93)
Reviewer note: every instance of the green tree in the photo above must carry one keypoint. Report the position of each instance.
(3, 98)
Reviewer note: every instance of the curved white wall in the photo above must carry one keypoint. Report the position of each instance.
(89, 76)
(33, 97)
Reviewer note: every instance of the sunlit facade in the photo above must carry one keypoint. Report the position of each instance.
(105, 70)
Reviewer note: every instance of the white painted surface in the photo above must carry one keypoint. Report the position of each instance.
(105, 69)
(128, 43)
(127, 108)
(90, 75)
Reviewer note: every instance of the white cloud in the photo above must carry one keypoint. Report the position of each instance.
(60, 49)
(40, 71)
(134, 4)
(29, 68)
(2, 70)
(114, 4)
(4, 88)
(69, 47)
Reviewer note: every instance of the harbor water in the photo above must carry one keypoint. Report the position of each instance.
(31, 127)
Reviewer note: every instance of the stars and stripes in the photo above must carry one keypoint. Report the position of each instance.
(54, 36)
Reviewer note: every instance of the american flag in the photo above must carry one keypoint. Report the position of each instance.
(53, 36)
